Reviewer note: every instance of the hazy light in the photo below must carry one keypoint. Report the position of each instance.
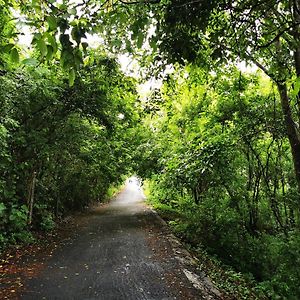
(247, 67)
(134, 183)
(121, 116)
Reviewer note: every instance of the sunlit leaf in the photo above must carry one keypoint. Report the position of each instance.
(52, 23)
(30, 62)
(72, 11)
(52, 41)
(7, 48)
(296, 88)
(42, 47)
(14, 55)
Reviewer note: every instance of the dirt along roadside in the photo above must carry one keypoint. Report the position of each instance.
(122, 250)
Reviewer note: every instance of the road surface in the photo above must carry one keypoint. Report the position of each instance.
(119, 252)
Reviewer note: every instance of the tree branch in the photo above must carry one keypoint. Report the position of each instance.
(259, 65)
(140, 2)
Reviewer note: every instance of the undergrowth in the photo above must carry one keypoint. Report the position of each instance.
(240, 270)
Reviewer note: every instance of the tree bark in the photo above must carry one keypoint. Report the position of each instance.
(296, 35)
(291, 128)
(31, 197)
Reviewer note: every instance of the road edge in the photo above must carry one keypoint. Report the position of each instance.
(189, 264)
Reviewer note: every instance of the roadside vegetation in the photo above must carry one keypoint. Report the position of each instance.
(223, 175)
(62, 146)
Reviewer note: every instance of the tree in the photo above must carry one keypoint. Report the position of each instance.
(266, 33)
(7, 32)
(61, 147)
(223, 173)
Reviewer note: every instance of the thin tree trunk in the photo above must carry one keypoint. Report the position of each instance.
(31, 197)
(297, 67)
(291, 128)
(296, 34)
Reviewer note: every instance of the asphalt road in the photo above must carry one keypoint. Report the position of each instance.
(119, 252)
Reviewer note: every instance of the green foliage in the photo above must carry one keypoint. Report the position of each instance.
(44, 217)
(221, 149)
(18, 217)
(224, 176)
(7, 31)
(62, 146)
(13, 224)
(2, 209)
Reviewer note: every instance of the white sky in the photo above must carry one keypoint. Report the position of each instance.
(129, 66)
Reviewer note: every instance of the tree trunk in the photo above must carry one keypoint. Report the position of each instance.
(296, 34)
(291, 128)
(297, 67)
(31, 197)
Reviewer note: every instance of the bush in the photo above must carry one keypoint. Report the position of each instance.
(18, 218)
(273, 260)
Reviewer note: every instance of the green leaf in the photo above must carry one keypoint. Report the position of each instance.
(128, 46)
(52, 41)
(76, 34)
(7, 48)
(14, 55)
(72, 11)
(117, 43)
(36, 37)
(36, 5)
(74, 22)
(49, 52)
(66, 59)
(42, 47)
(296, 88)
(2, 208)
(30, 62)
(63, 7)
(78, 60)
(65, 40)
(71, 77)
(153, 43)
(123, 17)
(140, 39)
(63, 25)
(52, 23)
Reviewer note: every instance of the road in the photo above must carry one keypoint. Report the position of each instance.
(119, 252)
